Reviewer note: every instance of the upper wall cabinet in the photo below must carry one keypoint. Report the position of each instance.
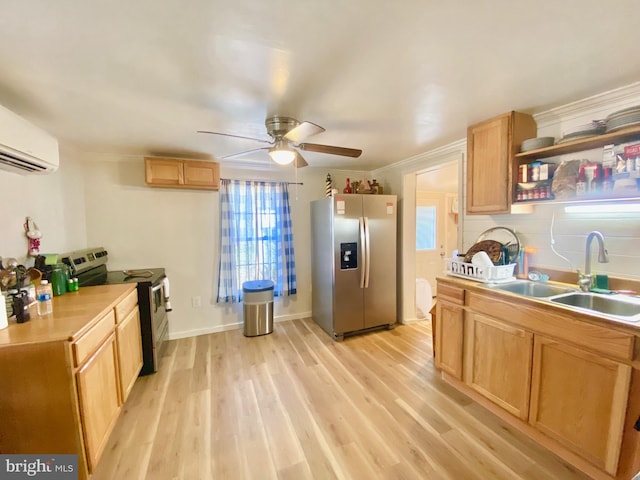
(178, 173)
(491, 148)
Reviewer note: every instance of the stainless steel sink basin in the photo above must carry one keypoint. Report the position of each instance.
(618, 306)
(533, 289)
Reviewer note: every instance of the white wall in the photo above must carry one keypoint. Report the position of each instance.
(55, 202)
(144, 227)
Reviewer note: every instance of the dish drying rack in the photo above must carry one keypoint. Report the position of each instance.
(492, 273)
(480, 273)
(509, 239)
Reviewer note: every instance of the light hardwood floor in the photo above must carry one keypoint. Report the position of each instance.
(297, 405)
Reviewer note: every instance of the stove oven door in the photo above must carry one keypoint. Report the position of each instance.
(153, 325)
(159, 317)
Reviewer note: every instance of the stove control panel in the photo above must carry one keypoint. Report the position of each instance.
(82, 260)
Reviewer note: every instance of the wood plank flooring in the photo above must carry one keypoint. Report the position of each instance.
(296, 405)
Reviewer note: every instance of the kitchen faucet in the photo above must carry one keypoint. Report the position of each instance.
(585, 280)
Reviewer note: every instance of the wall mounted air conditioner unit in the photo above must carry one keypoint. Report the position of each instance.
(25, 148)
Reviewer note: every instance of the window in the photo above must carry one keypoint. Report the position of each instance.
(256, 241)
(425, 227)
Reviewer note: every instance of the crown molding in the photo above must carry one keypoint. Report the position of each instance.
(611, 100)
(427, 159)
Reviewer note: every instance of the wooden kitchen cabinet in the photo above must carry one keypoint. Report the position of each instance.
(66, 376)
(179, 173)
(491, 148)
(498, 362)
(129, 351)
(567, 381)
(449, 330)
(99, 399)
(580, 400)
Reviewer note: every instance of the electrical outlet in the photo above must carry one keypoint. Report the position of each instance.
(196, 302)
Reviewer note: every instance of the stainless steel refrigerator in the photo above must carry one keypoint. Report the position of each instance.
(353, 253)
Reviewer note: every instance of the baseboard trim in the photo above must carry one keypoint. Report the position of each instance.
(231, 326)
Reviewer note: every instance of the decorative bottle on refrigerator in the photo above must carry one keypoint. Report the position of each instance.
(347, 189)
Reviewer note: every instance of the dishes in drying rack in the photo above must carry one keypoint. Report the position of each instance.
(536, 143)
(627, 117)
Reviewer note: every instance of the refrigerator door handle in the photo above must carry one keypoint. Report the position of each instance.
(363, 246)
(367, 249)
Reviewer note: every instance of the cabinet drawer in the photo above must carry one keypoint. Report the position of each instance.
(450, 293)
(90, 341)
(546, 321)
(123, 309)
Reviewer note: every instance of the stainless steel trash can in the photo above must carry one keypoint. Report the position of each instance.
(258, 307)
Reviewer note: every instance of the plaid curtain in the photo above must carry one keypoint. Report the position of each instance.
(256, 240)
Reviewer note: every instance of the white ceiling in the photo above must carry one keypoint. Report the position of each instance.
(394, 78)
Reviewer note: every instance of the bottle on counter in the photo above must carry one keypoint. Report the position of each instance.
(44, 295)
(59, 277)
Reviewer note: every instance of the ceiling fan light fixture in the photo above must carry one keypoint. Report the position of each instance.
(282, 156)
(281, 153)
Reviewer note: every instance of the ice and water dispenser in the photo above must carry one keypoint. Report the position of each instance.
(348, 256)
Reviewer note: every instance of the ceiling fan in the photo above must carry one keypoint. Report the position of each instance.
(287, 134)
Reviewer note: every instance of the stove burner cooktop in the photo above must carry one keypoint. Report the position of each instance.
(147, 275)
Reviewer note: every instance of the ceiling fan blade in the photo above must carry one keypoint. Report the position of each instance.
(236, 136)
(242, 154)
(302, 131)
(345, 152)
(299, 161)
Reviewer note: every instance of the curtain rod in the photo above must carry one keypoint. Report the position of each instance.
(261, 181)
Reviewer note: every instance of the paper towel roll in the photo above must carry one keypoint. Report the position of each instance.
(3, 313)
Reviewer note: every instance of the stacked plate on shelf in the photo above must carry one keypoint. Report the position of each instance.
(597, 127)
(629, 117)
(536, 143)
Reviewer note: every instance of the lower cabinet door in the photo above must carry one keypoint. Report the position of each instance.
(129, 352)
(449, 338)
(99, 399)
(498, 362)
(580, 400)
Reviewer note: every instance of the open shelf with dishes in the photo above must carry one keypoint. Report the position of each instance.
(614, 176)
(578, 145)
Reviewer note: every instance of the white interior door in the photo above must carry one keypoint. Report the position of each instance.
(430, 236)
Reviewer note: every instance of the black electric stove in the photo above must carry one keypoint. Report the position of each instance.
(90, 267)
(154, 276)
